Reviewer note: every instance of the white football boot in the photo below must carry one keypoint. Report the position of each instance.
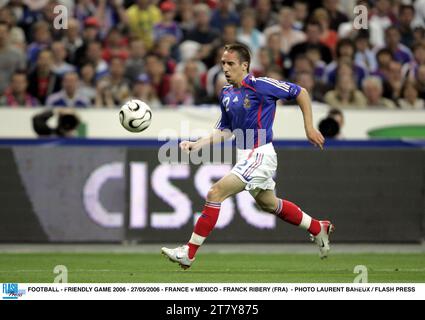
(179, 255)
(322, 238)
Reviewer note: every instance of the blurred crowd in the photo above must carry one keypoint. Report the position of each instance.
(167, 53)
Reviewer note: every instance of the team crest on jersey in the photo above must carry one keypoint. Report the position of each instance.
(246, 103)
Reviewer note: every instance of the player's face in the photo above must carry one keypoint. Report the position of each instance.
(233, 69)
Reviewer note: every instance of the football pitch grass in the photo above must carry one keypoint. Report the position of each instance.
(212, 268)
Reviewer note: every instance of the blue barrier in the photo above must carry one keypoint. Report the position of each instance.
(373, 143)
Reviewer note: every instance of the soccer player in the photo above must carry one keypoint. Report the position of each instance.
(248, 105)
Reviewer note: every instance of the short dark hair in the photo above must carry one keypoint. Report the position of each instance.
(344, 42)
(329, 128)
(312, 22)
(405, 7)
(335, 112)
(5, 23)
(242, 50)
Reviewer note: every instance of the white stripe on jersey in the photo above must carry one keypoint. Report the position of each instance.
(285, 87)
(277, 82)
(218, 123)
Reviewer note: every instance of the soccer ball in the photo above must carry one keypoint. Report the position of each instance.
(135, 116)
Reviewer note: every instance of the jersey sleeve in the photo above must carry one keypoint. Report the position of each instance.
(224, 121)
(277, 89)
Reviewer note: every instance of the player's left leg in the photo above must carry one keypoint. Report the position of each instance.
(221, 190)
(292, 214)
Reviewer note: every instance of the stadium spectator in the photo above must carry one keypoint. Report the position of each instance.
(364, 55)
(16, 95)
(409, 97)
(383, 59)
(112, 13)
(265, 16)
(301, 64)
(249, 35)
(395, 79)
(380, 20)
(336, 16)
(301, 14)
(94, 56)
(179, 93)
(345, 51)
(86, 8)
(345, 95)
(115, 45)
(224, 14)
(214, 72)
(88, 83)
(418, 34)
(135, 64)
(400, 52)
(194, 70)
(42, 80)
(59, 54)
(113, 90)
(42, 40)
(69, 96)
(277, 57)
(16, 34)
(372, 89)
(420, 81)
(406, 16)
(330, 127)
(314, 88)
(162, 48)
(329, 37)
(313, 54)
(289, 35)
(168, 26)
(410, 70)
(72, 40)
(313, 31)
(160, 81)
(11, 59)
(419, 6)
(143, 90)
(185, 16)
(141, 18)
(90, 34)
(202, 32)
(264, 62)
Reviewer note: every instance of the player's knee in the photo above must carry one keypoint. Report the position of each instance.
(266, 205)
(215, 194)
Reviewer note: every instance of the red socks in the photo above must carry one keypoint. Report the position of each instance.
(292, 214)
(285, 210)
(204, 226)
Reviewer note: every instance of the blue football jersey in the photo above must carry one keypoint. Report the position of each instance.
(249, 110)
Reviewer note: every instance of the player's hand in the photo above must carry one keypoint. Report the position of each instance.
(187, 146)
(315, 137)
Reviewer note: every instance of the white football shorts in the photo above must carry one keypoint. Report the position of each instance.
(256, 168)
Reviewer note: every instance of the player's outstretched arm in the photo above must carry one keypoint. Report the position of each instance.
(314, 136)
(215, 137)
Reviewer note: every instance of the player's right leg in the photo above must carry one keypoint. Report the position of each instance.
(291, 213)
(221, 190)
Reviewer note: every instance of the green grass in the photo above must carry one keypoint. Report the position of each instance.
(210, 267)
